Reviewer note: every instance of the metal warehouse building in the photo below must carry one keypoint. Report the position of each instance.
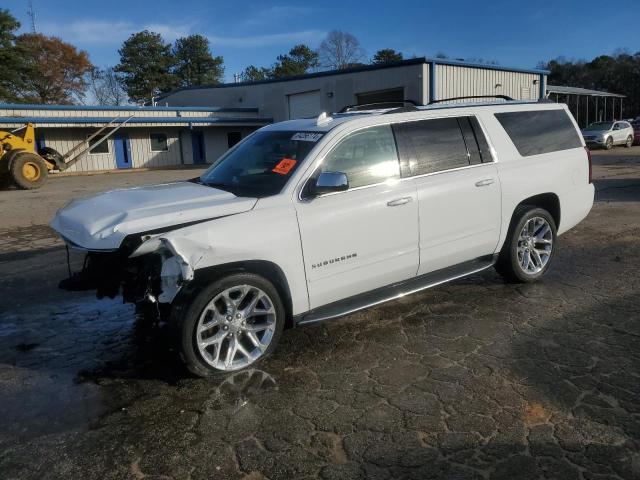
(420, 79)
(147, 137)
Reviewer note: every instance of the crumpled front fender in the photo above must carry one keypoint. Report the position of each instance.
(180, 259)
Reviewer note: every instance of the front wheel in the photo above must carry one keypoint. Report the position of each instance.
(608, 144)
(28, 171)
(230, 324)
(529, 246)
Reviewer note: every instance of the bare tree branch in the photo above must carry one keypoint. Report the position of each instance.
(340, 50)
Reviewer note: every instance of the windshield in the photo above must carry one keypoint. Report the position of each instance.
(600, 126)
(262, 164)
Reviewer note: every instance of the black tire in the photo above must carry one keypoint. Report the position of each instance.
(188, 311)
(629, 142)
(508, 264)
(608, 143)
(28, 171)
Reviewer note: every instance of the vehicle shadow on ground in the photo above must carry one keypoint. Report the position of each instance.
(621, 157)
(151, 353)
(617, 190)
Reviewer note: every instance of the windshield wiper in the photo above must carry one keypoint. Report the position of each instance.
(220, 186)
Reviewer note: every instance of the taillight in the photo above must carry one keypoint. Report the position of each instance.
(590, 164)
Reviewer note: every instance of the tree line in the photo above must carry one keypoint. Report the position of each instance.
(42, 69)
(37, 68)
(617, 73)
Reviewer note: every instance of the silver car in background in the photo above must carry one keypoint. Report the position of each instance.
(608, 134)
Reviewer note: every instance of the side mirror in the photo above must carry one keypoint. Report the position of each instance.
(616, 127)
(328, 182)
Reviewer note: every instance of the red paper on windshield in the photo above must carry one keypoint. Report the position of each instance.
(284, 166)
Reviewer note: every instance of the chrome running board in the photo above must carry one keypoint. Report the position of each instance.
(394, 291)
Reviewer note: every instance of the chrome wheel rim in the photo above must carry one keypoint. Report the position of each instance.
(236, 327)
(535, 244)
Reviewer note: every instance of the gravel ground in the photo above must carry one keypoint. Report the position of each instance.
(475, 379)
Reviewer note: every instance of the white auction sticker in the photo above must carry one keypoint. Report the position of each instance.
(307, 136)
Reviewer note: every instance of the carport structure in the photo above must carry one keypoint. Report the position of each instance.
(588, 106)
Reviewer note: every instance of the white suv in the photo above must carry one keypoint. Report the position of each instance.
(608, 134)
(308, 220)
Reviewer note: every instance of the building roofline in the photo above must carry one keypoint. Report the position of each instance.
(128, 108)
(564, 90)
(362, 68)
(444, 61)
(136, 120)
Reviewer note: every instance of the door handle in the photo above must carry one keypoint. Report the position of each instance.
(399, 201)
(485, 182)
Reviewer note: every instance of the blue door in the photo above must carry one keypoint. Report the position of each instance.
(197, 145)
(122, 147)
(40, 143)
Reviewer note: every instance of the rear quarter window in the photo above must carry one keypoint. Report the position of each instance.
(540, 131)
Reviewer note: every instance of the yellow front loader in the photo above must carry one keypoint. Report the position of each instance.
(27, 168)
(18, 158)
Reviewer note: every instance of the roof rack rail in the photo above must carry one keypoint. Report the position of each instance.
(410, 108)
(379, 105)
(503, 97)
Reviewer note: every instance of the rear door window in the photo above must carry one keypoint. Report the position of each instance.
(540, 131)
(429, 146)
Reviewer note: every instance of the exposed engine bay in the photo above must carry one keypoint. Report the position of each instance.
(152, 277)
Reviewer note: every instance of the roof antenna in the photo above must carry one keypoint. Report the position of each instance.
(32, 16)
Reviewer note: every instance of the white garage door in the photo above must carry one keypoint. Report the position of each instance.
(305, 105)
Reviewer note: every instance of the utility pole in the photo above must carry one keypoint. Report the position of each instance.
(32, 16)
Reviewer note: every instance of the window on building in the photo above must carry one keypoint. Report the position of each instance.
(367, 157)
(430, 146)
(395, 95)
(97, 147)
(233, 138)
(540, 131)
(159, 142)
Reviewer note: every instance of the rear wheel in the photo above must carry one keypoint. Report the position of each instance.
(230, 324)
(529, 246)
(28, 171)
(608, 144)
(629, 142)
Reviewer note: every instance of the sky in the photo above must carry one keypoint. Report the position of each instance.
(513, 33)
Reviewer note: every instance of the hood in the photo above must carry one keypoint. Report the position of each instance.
(594, 133)
(102, 221)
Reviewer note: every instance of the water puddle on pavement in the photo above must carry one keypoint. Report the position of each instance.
(41, 350)
(65, 365)
(236, 390)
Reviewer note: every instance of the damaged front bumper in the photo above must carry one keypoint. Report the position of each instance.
(145, 269)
